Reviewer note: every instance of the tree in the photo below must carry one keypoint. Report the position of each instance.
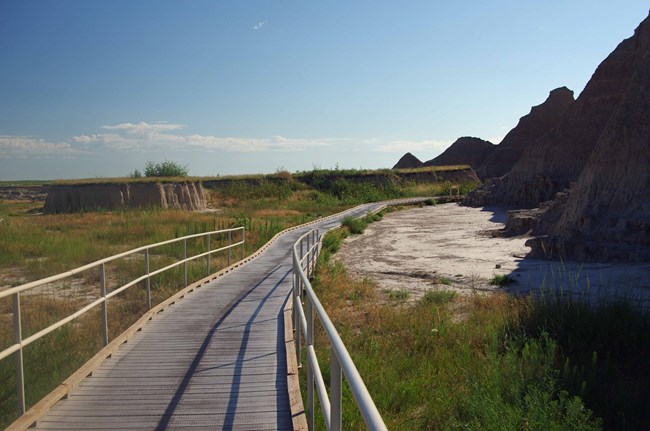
(165, 169)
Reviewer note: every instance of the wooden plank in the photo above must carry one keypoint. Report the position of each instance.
(218, 357)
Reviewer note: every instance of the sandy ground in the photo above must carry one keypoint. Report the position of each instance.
(423, 248)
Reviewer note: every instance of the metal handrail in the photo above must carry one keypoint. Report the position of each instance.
(341, 364)
(20, 343)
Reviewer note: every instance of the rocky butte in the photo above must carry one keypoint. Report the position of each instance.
(554, 161)
(464, 151)
(607, 213)
(590, 175)
(408, 161)
(541, 120)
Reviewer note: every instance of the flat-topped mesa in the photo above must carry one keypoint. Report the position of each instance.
(464, 151)
(607, 214)
(556, 159)
(408, 161)
(66, 198)
(541, 120)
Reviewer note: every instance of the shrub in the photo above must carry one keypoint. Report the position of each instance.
(355, 226)
(500, 280)
(165, 169)
(135, 174)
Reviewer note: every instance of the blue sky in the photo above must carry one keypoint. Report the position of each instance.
(93, 88)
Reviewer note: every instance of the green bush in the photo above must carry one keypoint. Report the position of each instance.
(165, 169)
(356, 226)
(500, 280)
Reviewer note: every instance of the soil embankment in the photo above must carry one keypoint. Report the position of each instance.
(90, 197)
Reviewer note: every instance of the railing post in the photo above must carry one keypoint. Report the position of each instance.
(243, 242)
(302, 254)
(229, 242)
(297, 302)
(309, 340)
(335, 392)
(308, 255)
(208, 254)
(146, 268)
(102, 287)
(18, 339)
(185, 263)
(312, 254)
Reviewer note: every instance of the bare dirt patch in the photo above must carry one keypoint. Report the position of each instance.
(449, 247)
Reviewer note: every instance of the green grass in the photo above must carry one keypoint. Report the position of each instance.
(429, 201)
(36, 246)
(399, 295)
(439, 297)
(496, 362)
(500, 280)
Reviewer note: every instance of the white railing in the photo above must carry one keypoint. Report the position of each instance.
(20, 343)
(305, 254)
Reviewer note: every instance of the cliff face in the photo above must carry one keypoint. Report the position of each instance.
(465, 151)
(408, 161)
(556, 159)
(541, 119)
(607, 215)
(90, 197)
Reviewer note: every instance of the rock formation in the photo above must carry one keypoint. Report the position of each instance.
(408, 161)
(541, 119)
(107, 196)
(607, 213)
(465, 151)
(556, 160)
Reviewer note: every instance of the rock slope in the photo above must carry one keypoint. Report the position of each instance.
(541, 120)
(607, 213)
(465, 151)
(408, 161)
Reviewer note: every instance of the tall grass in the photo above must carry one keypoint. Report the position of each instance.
(36, 246)
(489, 362)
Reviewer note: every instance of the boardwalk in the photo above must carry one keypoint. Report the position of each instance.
(214, 360)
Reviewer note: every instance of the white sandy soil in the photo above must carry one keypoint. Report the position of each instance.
(415, 249)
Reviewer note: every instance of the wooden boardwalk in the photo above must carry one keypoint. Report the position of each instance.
(214, 360)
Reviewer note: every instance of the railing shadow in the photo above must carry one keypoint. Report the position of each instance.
(193, 368)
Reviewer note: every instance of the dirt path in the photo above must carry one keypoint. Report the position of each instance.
(451, 247)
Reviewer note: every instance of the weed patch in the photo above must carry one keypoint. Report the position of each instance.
(500, 280)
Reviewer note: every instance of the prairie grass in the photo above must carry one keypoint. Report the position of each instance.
(35, 246)
(509, 363)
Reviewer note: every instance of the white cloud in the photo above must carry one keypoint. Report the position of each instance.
(21, 146)
(85, 139)
(143, 127)
(404, 146)
(166, 137)
(259, 25)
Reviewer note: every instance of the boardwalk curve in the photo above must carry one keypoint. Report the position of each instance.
(215, 360)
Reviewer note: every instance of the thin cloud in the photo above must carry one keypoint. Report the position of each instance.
(165, 136)
(143, 127)
(405, 146)
(21, 146)
(259, 25)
